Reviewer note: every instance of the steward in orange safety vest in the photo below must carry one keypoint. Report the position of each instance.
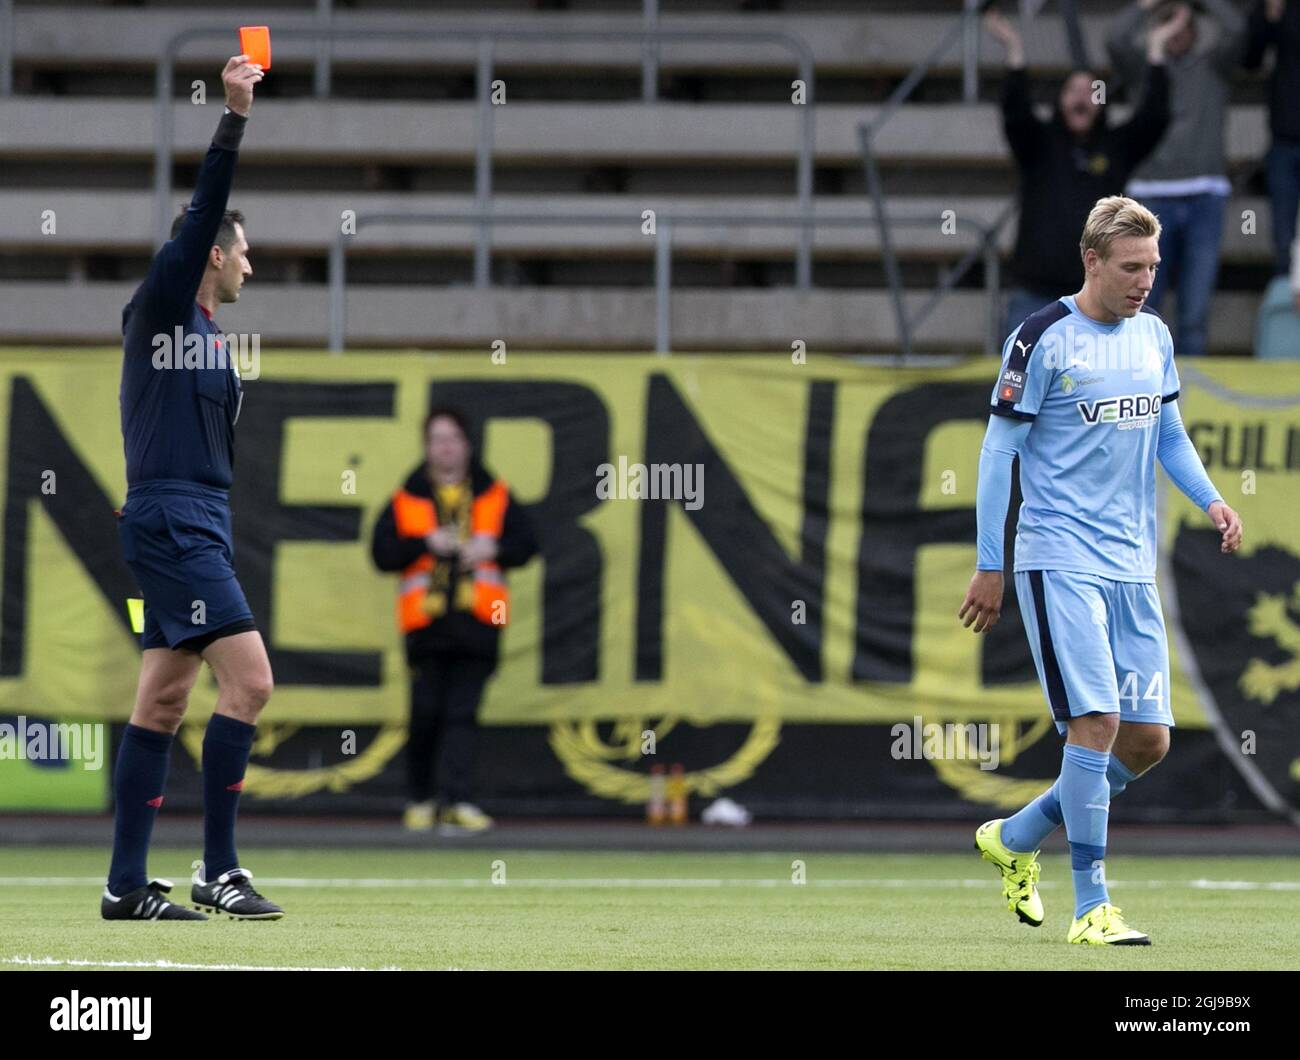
(450, 530)
(444, 604)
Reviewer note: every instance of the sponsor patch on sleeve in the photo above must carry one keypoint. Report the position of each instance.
(1011, 387)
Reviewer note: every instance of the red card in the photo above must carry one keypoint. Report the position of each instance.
(255, 42)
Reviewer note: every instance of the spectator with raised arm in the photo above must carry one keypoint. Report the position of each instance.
(1185, 182)
(1066, 164)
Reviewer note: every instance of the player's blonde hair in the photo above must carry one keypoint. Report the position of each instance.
(1116, 217)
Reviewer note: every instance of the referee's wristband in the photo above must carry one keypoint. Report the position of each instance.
(231, 130)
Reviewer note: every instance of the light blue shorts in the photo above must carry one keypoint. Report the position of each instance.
(1099, 645)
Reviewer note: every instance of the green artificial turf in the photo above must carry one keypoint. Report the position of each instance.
(441, 909)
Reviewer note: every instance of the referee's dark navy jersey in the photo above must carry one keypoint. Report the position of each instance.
(178, 423)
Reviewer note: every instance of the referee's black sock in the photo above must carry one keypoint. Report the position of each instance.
(139, 776)
(226, 745)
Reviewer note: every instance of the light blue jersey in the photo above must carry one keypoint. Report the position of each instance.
(1089, 408)
(1088, 464)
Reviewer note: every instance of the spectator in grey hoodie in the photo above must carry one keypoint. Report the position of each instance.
(1184, 182)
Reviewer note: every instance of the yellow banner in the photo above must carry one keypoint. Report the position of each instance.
(806, 564)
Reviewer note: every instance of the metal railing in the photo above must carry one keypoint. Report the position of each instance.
(966, 28)
(987, 249)
(665, 224)
(322, 71)
(485, 38)
(649, 52)
(970, 38)
(1074, 41)
(651, 37)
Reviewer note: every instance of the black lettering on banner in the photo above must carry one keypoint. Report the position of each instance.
(895, 528)
(260, 520)
(80, 509)
(1241, 446)
(574, 565)
(734, 531)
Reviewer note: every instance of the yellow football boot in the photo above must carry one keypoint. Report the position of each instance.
(1019, 873)
(1103, 926)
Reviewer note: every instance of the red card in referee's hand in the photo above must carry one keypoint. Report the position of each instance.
(255, 42)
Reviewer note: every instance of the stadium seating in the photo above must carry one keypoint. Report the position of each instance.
(398, 134)
(1278, 326)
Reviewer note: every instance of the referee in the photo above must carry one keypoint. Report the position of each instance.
(178, 423)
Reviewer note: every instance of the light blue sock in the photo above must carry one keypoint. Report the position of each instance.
(1025, 831)
(1085, 805)
(1119, 775)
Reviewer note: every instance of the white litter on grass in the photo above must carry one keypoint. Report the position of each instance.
(726, 812)
(57, 962)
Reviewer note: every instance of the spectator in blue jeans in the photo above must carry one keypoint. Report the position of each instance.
(1184, 182)
(1295, 269)
(1275, 24)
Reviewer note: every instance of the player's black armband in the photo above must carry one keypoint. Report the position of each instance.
(231, 131)
(1008, 409)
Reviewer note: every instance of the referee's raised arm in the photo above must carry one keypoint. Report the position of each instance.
(178, 266)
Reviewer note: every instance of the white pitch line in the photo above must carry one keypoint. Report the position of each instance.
(56, 962)
(540, 882)
(50, 881)
(665, 882)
